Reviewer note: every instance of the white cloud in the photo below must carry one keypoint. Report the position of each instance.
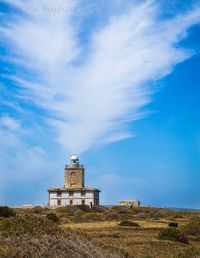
(9, 123)
(93, 89)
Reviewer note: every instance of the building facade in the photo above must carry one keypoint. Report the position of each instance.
(74, 191)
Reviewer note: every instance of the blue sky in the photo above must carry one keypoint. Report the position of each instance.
(117, 83)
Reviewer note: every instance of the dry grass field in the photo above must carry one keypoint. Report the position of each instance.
(117, 232)
(139, 242)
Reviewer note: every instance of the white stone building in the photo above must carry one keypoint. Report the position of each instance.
(74, 191)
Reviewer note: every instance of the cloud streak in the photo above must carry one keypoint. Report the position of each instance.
(92, 89)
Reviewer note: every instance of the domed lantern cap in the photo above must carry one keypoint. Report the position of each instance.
(74, 158)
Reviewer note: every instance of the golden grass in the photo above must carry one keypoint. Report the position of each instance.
(112, 224)
(137, 242)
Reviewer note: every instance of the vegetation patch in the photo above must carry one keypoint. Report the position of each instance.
(191, 252)
(34, 232)
(173, 224)
(162, 213)
(172, 234)
(192, 228)
(32, 236)
(27, 224)
(9, 251)
(111, 214)
(142, 215)
(92, 216)
(128, 223)
(52, 217)
(6, 212)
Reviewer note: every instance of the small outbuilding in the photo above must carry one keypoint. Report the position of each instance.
(130, 203)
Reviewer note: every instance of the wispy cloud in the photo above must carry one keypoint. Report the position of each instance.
(22, 164)
(92, 88)
(9, 123)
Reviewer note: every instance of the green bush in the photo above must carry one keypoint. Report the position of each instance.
(6, 212)
(53, 217)
(128, 223)
(172, 234)
(192, 228)
(173, 224)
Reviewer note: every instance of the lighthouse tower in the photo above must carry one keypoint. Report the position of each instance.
(74, 173)
(74, 191)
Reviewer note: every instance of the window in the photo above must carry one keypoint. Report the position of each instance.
(71, 193)
(71, 202)
(59, 194)
(73, 174)
(59, 202)
(82, 193)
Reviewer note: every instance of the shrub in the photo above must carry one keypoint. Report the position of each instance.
(162, 213)
(67, 210)
(142, 215)
(173, 224)
(178, 215)
(84, 208)
(128, 223)
(78, 216)
(37, 209)
(172, 234)
(78, 213)
(92, 216)
(192, 228)
(112, 214)
(122, 209)
(31, 235)
(52, 217)
(99, 209)
(28, 224)
(6, 212)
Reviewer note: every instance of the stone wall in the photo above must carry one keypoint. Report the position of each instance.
(74, 177)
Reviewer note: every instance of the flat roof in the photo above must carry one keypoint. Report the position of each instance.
(73, 189)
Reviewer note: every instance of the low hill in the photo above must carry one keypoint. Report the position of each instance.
(35, 235)
(79, 231)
